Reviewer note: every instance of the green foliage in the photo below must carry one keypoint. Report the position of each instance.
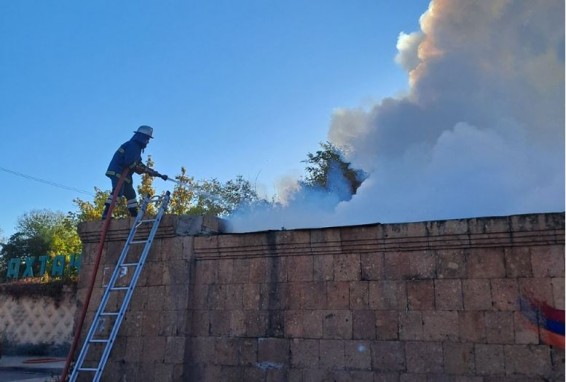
(321, 164)
(41, 232)
(145, 188)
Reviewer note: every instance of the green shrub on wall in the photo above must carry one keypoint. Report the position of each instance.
(35, 288)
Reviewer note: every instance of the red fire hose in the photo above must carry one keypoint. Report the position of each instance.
(105, 226)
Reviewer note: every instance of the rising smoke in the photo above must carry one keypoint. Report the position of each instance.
(479, 133)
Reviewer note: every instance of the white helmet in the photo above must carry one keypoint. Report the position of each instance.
(147, 130)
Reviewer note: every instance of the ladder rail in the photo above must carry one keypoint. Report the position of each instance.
(102, 306)
(128, 297)
(110, 287)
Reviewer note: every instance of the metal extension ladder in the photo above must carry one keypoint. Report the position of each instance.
(106, 322)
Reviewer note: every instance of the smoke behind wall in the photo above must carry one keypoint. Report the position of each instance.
(479, 133)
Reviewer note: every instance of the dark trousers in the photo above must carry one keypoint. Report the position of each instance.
(127, 191)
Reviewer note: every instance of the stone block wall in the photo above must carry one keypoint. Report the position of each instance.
(395, 302)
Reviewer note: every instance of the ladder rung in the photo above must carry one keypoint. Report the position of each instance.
(87, 369)
(129, 265)
(99, 341)
(109, 313)
(120, 288)
(138, 241)
(147, 221)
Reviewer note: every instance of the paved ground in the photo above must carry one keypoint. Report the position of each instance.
(30, 369)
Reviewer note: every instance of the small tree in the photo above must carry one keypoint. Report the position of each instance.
(327, 170)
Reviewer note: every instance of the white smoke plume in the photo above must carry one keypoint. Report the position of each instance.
(480, 132)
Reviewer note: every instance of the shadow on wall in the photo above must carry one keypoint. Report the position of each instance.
(545, 319)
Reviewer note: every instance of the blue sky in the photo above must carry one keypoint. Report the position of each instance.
(454, 110)
(231, 88)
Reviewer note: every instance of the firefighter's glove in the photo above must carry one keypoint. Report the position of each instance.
(164, 177)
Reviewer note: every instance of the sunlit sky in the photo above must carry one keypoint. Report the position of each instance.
(231, 88)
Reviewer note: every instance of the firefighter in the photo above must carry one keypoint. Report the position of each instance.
(128, 156)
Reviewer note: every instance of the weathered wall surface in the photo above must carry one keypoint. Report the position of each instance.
(395, 302)
(36, 320)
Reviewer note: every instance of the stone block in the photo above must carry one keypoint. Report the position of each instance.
(451, 264)
(304, 353)
(241, 271)
(234, 296)
(518, 262)
(323, 268)
(448, 294)
(397, 265)
(273, 350)
(532, 360)
(420, 295)
(347, 267)
(251, 296)
(505, 294)
(538, 288)
(499, 327)
(558, 292)
(337, 324)
(372, 266)
(548, 261)
(258, 270)
(388, 356)
(314, 295)
(226, 352)
(248, 351)
(386, 325)
(237, 323)
(300, 268)
(153, 349)
(386, 295)
(225, 271)
(485, 263)
(293, 323)
(216, 296)
(490, 359)
(410, 325)
(440, 325)
(477, 294)
(363, 324)
(200, 323)
(205, 271)
(256, 323)
(472, 326)
(338, 295)
(459, 358)
(357, 355)
(331, 354)
(424, 357)
(313, 323)
(422, 265)
(174, 349)
(150, 322)
(359, 295)
(525, 331)
(219, 323)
